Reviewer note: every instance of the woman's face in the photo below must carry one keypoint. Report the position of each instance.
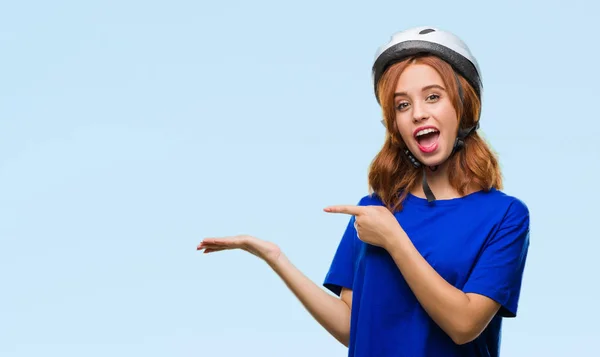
(425, 116)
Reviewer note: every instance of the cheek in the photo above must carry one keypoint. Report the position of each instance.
(404, 128)
(449, 136)
(449, 122)
(452, 129)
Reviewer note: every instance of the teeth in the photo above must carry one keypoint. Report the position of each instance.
(426, 131)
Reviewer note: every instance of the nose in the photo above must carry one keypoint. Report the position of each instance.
(419, 113)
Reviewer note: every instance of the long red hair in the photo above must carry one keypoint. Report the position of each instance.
(392, 176)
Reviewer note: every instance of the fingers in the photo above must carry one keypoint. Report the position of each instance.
(209, 248)
(212, 250)
(216, 244)
(210, 242)
(356, 229)
(347, 209)
(216, 241)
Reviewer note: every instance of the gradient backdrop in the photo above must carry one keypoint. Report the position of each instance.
(130, 130)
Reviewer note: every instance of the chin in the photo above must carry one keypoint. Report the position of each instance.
(430, 162)
(434, 158)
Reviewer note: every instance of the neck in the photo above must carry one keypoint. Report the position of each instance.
(439, 183)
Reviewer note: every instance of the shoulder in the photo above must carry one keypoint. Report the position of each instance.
(497, 210)
(370, 200)
(512, 209)
(510, 217)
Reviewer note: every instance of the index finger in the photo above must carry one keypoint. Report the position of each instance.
(347, 209)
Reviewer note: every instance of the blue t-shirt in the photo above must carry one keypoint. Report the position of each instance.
(477, 243)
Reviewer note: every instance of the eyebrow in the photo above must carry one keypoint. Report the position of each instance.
(431, 86)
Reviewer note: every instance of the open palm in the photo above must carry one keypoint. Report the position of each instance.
(262, 249)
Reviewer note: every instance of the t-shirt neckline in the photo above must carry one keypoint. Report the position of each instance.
(446, 202)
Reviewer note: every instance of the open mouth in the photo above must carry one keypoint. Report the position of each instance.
(427, 138)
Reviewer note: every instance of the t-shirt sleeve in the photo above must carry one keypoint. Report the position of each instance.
(341, 271)
(498, 272)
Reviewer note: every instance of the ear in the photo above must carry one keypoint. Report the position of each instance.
(397, 137)
(394, 124)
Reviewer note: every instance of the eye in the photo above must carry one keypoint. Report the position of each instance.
(433, 97)
(401, 106)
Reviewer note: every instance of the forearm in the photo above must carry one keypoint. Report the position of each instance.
(330, 312)
(448, 306)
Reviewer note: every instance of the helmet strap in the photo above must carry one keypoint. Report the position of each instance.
(428, 193)
(459, 143)
(426, 189)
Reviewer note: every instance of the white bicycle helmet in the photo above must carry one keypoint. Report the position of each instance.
(431, 40)
(443, 44)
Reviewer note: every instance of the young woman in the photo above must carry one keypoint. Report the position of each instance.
(432, 259)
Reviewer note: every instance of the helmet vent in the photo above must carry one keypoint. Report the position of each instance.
(426, 31)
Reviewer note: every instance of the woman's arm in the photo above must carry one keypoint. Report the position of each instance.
(462, 316)
(331, 312)
(493, 284)
(497, 274)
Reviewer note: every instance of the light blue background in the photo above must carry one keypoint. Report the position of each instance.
(130, 130)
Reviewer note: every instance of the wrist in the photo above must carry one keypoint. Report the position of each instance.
(396, 241)
(275, 259)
